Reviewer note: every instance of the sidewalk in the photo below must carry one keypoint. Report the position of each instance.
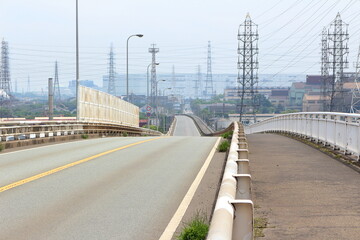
(303, 193)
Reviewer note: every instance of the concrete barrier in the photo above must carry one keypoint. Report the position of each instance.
(233, 213)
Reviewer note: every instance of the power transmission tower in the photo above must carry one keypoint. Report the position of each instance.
(28, 85)
(338, 49)
(209, 90)
(325, 86)
(16, 85)
(199, 75)
(5, 81)
(111, 80)
(153, 50)
(247, 67)
(355, 98)
(173, 78)
(198, 82)
(56, 89)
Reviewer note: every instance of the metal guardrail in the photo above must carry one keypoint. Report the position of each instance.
(171, 130)
(339, 130)
(23, 130)
(233, 215)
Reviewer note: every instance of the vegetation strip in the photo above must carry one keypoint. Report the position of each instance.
(58, 169)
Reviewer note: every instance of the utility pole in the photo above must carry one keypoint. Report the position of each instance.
(111, 80)
(51, 99)
(338, 38)
(209, 90)
(247, 66)
(153, 50)
(173, 78)
(57, 95)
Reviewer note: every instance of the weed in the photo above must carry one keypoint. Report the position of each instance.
(224, 146)
(196, 229)
(227, 135)
(259, 224)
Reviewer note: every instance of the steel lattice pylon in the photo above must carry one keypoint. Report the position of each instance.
(325, 86)
(209, 89)
(355, 99)
(57, 95)
(5, 81)
(111, 80)
(338, 50)
(247, 67)
(153, 50)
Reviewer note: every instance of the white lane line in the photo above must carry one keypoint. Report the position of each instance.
(176, 219)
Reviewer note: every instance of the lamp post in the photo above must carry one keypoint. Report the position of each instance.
(127, 63)
(77, 64)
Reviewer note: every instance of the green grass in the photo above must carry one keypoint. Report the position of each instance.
(196, 229)
(224, 146)
(227, 135)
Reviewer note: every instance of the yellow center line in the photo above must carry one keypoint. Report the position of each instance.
(58, 169)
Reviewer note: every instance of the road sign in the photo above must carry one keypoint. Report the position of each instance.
(148, 108)
(148, 114)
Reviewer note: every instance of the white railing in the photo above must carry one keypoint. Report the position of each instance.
(339, 130)
(233, 214)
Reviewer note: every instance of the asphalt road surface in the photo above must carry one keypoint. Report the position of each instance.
(117, 191)
(185, 127)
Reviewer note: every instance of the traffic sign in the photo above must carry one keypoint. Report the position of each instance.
(148, 108)
(148, 114)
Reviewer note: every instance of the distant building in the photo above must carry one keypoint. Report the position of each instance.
(279, 97)
(86, 83)
(313, 103)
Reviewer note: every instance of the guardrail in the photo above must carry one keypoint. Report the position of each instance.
(233, 214)
(171, 130)
(16, 132)
(339, 130)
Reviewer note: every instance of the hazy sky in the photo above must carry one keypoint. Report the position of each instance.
(42, 31)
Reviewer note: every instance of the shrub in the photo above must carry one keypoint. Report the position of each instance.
(125, 134)
(224, 146)
(1, 147)
(196, 229)
(84, 136)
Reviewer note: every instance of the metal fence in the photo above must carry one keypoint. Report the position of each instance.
(338, 130)
(97, 106)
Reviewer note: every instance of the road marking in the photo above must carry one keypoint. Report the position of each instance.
(180, 212)
(58, 169)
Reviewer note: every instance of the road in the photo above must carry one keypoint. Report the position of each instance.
(303, 193)
(117, 191)
(185, 127)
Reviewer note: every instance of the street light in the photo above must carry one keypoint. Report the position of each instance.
(77, 64)
(127, 63)
(165, 90)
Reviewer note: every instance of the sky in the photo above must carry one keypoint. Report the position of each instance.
(40, 32)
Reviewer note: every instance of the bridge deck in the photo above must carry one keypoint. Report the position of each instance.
(303, 193)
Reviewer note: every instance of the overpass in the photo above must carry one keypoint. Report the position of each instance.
(111, 188)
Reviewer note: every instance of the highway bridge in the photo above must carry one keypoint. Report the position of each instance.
(133, 187)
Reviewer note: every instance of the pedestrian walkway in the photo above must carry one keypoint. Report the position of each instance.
(303, 193)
